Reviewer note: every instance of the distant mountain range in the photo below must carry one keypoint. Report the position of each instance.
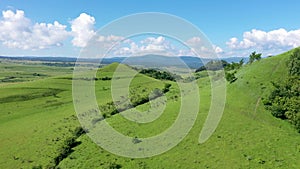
(146, 60)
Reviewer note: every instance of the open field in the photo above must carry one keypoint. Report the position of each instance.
(37, 119)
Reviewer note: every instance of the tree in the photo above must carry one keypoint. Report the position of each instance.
(241, 62)
(230, 77)
(161, 75)
(284, 100)
(213, 65)
(294, 63)
(166, 88)
(254, 56)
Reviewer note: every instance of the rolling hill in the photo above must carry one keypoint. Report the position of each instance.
(37, 119)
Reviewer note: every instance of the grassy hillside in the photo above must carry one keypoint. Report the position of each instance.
(247, 137)
(37, 117)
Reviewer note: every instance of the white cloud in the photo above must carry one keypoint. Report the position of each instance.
(82, 29)
(204, 48)
(110, 39)
(17, 31)
(218, 49)
(262, 40)
(194, 41)
(154, 41)
(156, 45)
(150, 45)
(163, 46)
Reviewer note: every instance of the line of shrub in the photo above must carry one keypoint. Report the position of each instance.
(284, 99)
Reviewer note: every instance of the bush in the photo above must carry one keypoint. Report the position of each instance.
(161, 75)
(230, 77)
(78, 131)
(254, 56)
(284, 99)
(213, 65)
(68, 144)
(166, 88)
(294, 63)
(234, 66)
(113, 165)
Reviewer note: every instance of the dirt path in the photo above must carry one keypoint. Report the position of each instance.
(257, 104)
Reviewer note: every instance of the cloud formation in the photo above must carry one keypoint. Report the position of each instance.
(17, 31)
(204, 48)
(164, 46)
(262, 40)
(149, 45)
(82, 29)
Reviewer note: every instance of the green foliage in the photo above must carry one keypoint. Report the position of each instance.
(161, 75)
(218, 65)
(166, 88)
(284, 100)
(24, 97)
(59, 64)
(66, 149)
(254, 56)
(202, 68)
(103, 78)
(241, 62)
(202, 74)
(213, 65)
(138, 96)
(136, 140)
(78, 131)
(113, 165)
(294, 63)
(230, 77)
(234, 66)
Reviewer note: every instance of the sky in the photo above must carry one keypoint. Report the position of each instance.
(63, 28)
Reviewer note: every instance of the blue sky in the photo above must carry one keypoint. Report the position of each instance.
(272, 26)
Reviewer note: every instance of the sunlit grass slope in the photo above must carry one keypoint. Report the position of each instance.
(36, 117)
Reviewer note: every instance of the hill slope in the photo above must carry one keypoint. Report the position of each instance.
(37, 118)
(247, 137)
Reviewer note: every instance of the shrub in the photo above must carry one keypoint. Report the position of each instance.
(284, 99)
(161, 75)
(213, 65)
(230, 77)
(113, 165)
(78, 131)
(254, 56)
(166, 88)
(294, 63)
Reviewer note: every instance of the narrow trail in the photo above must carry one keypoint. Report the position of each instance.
(254, 115)
(256, 106)
(276, 67)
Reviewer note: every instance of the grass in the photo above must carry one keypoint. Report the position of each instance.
(16, 71)
(37, 116)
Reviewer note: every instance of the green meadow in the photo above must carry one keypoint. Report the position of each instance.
(39, 127)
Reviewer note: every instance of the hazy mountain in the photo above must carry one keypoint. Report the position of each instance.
(146, 60)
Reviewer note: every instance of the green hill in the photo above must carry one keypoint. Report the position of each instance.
(38, 119)
(247, 137)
